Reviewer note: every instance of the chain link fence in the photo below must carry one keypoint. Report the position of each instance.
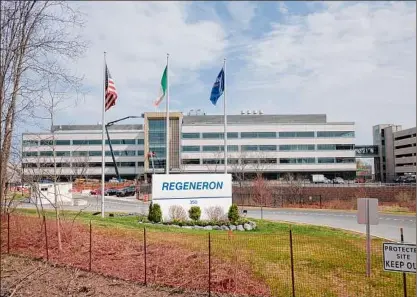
(288, 262)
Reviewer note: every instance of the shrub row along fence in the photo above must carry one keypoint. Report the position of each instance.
(286, 263)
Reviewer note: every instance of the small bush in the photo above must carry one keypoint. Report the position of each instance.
(155, 213)
(233, 213)
(150, 212)
(177, 213)
(214, 213)
(194, 213)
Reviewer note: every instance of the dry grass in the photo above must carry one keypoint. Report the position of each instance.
(328, 262)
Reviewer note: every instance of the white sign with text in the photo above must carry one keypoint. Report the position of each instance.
(399, 257)
(186, 190)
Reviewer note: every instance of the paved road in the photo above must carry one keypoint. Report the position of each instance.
(388, 227)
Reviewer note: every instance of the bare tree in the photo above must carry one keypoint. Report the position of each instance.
(79, 165)
(37, 38)
(295, 189)
(261, 191)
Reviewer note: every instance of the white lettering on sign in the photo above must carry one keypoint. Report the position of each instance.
(400, 257)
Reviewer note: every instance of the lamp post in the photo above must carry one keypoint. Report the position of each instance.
(109, 124)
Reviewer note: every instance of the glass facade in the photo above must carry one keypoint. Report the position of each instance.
(157, 141)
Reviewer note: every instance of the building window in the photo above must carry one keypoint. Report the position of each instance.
(30, 165)
(268, 148)
(345, 160)
(94, 153)
(325, 160)
(95, 142)
(308, 134)
(213, 135)
(30, 154)
(81, 142)
(115, 153)
(63, 142)
(141, 164)
(232, 161)
(160, 152)
(297, 160)
(296, 147)
(46, 142)
(127, 164)
(213, 161)
(141, 141)
(268, 161)
(248, 135)
(30, 143)
(232, 148)
(232, 134)
(127, 141)
(141, 153)
(267, 135)
(46, 154)
(191, 161)
(156, 137)
(190, 148)
(127, 153)
(258, 134)
(327, 134)
(121, 141)
(190, 135)
(79, 154)
(212, 148)
(249, 148)
(63, 154)
(250, 161)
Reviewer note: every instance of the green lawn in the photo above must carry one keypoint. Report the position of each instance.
(327, 262)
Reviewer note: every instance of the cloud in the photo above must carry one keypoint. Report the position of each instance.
(355, 62)
(283, 9)
(137, 36)
(241, 12)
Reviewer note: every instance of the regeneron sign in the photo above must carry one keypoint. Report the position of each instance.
(186, 190)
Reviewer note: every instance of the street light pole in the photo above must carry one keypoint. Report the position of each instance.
(111, 150)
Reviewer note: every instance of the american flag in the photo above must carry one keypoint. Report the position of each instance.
(110, 91)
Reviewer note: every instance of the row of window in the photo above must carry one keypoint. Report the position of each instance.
(83, 154)
(269, 161)
(82, 165)
(304, 134)
(268, 148)
(49, 142)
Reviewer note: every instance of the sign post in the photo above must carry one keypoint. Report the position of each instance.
(368, 214)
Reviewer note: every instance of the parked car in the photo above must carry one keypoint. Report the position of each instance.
(125, 192)
(406, 179)
(338, 180)
(107, 192)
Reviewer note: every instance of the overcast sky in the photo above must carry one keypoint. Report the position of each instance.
(354, 61)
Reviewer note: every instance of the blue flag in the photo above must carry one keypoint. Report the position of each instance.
(218, 88)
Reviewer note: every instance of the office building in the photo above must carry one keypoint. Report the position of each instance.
(77, 152)
(397, 151)
(273, 145)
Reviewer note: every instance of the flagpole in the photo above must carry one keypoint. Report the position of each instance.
(103, 119)
(167, 121)
(225, 117)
